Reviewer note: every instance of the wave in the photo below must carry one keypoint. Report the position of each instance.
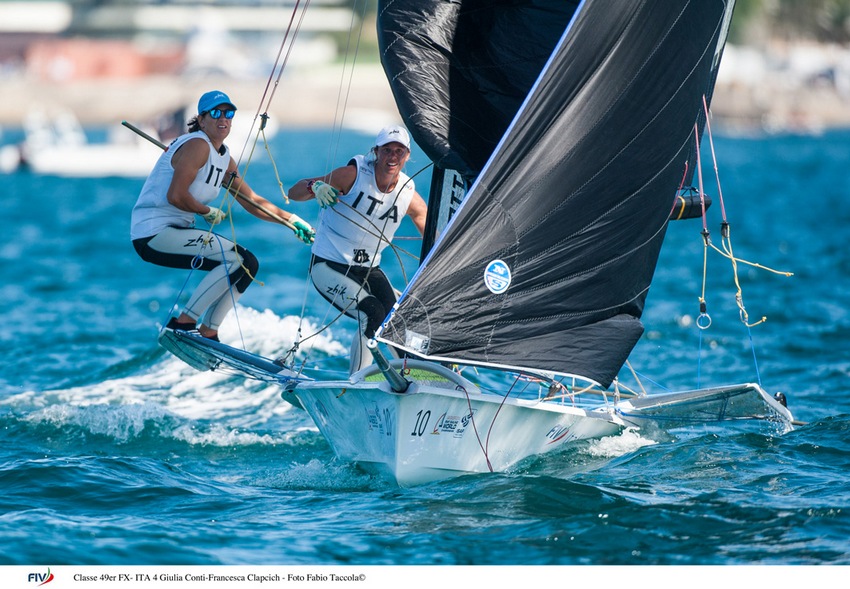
(165, 395)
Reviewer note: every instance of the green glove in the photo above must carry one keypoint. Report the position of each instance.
(302, 229)
(215, 216)
(326, 195)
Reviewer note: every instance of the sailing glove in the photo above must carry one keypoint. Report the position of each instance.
(302, 229)
(215, 216)
(326, 195)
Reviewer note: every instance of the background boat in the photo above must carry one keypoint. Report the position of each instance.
(56, 144)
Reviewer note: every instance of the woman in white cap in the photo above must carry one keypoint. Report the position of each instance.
(365, 202)
(186, 178)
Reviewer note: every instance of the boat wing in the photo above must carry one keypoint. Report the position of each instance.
(742, 402)
(205, 354)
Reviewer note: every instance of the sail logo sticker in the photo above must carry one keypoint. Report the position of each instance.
(497, 277)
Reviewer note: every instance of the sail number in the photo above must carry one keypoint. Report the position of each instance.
(421, 425)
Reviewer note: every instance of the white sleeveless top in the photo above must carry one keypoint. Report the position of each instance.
(153, 212)
(352, 238)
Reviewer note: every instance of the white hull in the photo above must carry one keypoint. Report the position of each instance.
(443, 426)
(436, 430)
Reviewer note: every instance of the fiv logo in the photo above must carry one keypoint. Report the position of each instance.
(40, 578)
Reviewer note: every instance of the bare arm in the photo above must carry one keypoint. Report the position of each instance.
(188, 159)
(418, 212)
(342, 179)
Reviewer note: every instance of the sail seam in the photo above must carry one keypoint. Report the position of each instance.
(625, 147)
(607, 165)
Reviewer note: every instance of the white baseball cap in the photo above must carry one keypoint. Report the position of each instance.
(393, 133)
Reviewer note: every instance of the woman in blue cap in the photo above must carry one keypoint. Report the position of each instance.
(186, 178)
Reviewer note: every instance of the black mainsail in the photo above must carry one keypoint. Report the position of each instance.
(547, 263)
(459, 70)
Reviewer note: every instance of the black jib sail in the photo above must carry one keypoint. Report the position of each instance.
(547, 263)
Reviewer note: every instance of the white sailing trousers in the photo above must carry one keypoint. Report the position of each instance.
(230, 269)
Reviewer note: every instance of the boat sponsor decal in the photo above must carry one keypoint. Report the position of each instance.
(380, 420)
(559, 433)
(373, 419)
(321, 412)
(497, 277)
(454, 425)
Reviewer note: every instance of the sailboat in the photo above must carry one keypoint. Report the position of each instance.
(562, 134)
(564, 137)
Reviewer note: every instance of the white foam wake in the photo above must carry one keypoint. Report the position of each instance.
(627, 441)
(214, 407)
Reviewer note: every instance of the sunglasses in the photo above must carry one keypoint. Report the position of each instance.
(216, 113)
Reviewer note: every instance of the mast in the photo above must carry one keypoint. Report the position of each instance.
(448, 189)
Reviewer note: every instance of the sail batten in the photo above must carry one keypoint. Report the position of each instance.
(548, 260)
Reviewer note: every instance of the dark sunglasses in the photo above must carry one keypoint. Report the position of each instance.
(216, 113)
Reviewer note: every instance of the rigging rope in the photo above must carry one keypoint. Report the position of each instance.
(367, 228)
(704, 319)
(261, 114)
(339, 114)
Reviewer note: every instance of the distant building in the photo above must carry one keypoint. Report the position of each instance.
(64, 60)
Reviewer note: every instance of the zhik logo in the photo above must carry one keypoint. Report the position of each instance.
(40, 578)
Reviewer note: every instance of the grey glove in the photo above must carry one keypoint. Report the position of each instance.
(214, 216)
(326, 195)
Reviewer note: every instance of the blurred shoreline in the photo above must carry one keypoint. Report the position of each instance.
(320, 96)
(304, 98)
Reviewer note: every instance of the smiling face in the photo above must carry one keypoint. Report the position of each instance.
(217, 129)
(391, 158)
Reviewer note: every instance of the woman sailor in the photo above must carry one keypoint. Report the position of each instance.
(186, 178)
(365, 201)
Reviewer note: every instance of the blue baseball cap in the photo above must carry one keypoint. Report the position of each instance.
(212, 99)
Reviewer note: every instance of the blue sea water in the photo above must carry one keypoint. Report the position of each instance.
(112, 452)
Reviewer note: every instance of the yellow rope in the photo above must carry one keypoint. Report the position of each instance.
(727, 253)
(753, 264)
(739, 294)
(274, 167)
